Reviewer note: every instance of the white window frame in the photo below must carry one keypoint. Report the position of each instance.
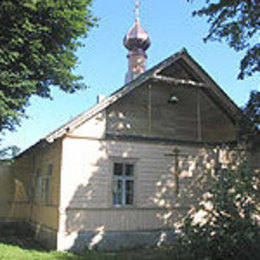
(123, 178)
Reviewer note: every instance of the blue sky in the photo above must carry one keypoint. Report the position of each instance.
(103, 62)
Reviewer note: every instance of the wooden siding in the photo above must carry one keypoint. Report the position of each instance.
(41, 212)
(13, 205)
(86, 186)
(25, 172)
(146, 112)
(93, 128)
(121, 219)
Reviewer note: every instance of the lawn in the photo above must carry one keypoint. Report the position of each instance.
(11, 252)
(26, 249)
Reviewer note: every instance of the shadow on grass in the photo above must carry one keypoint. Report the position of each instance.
(37, 251)
(24, 242)
(142, 254)
(30, 250)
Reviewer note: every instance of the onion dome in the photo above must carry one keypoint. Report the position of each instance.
(137, 38)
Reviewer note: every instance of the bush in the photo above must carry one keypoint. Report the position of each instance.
(224, 226)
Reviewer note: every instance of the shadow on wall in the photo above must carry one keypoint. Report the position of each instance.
(14, 202)
(184, 193)
(92, 222)
(90, 213)
(7, 191)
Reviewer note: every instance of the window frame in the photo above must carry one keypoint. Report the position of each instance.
(45, 195)
(43, 185)
(46, 179)
(124, 178)
(38, 186)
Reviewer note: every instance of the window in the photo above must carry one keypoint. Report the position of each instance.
(46, 187)
(49, 170)
(43, 184)
(123, 188)
(46, 184)
(38, 183)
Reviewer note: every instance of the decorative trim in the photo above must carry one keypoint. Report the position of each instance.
(169, 141)
(82, 137)
(176, 81)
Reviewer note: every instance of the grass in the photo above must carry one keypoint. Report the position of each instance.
(10, 252)
(24, 248)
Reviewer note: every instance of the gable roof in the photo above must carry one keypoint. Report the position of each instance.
(156, 74)
(86, 115)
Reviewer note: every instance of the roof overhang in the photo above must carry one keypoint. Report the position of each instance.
(203, 81)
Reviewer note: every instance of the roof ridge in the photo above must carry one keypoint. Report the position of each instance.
(142, 78)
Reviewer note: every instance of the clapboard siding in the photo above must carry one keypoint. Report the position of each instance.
(93, 128)
(120, 220)
(86, 185)
(25, 172)
(134, 114)
(14, 205)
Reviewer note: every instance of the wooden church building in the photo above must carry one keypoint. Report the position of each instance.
(123, 173)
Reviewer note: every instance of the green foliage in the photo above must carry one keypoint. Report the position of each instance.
(8, 153)
(228, 228)
(236, 22)
(38, 40)
(252, 108)
(250, 124)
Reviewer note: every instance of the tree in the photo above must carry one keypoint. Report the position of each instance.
(7, 154)
(227, 225)
(236, 22)
(252, 108)
(249, 124)
(38, 40)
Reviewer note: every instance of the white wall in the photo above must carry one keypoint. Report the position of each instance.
(86, 186)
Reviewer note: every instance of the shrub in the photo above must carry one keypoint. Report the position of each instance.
(226, 224)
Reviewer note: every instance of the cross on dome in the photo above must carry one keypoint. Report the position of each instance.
(137, 38)
(137, 41)
(137, 9)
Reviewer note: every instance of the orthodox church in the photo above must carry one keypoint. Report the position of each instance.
(124, 173)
